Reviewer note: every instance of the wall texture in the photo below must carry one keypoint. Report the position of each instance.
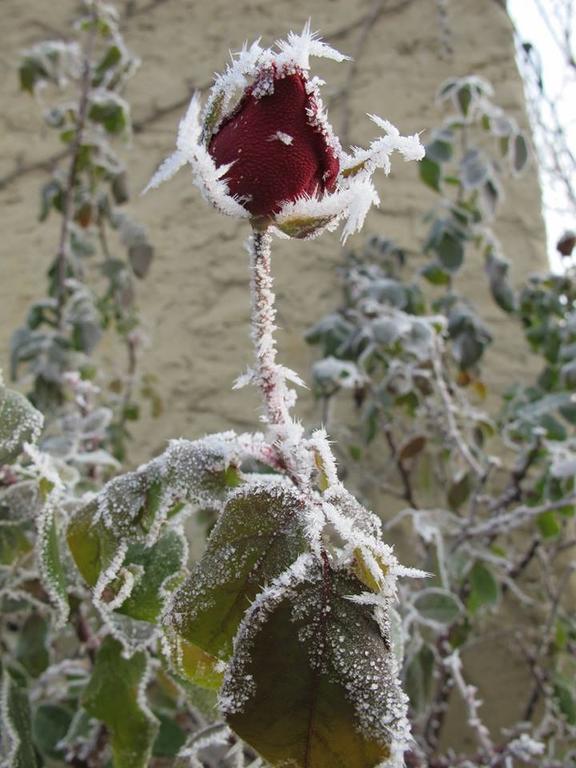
(195, 301)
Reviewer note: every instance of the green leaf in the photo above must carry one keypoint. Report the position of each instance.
(464, 98)
(419, 678)
(258, 535)
(430, 173)
(484, 589)
(32, 646)
(50, 561)
(140, 256)
(435, 275)
(111, 58)
(158, 566)
(192, 663)
(15, 541)
(459, 491)
(170, 738)
(50, 724)
(474, 169)
(16, 747)
(438, 606)
(115, 696)
(450, 251)
(440, 149)
(31, 71)
(132, 507)
(565, 700)
(548, 524)
(111, 112)
(519, 153)
(312, 683)
(92, 546)
(20, 423)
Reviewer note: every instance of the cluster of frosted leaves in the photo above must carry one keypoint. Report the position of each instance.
(301, 630)
(128, 542)
(27, 508)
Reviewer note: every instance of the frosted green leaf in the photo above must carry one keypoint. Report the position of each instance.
(437, 606)
(116, 695)
(20, 423)
(50, 724)
(258, 535)
(419, 678)
(313, 682)
(16, 749)
(157, 567)
(192, 663)
(92, 546)
(49, 558)
(32, 646)
(15, 541)
(484, 589)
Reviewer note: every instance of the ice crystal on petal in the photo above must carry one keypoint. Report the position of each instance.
(297, 49)
(363, 162)
(207, 177)
(326, 184)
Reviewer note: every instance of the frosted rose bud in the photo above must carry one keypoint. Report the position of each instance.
(263, 148)
(277, 151)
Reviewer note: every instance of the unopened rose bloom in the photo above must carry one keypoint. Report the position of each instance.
(263, 149)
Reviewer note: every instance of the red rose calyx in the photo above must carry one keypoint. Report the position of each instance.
(277, 152)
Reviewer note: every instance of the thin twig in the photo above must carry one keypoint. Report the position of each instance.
(453, 429)
(408, 494)
(68, 204)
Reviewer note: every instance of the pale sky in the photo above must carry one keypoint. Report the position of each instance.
(527, 17)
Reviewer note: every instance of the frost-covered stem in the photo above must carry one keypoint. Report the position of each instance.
(453, 428)
(269, 375)
(516, 517)
(468, 693)
(68, 205)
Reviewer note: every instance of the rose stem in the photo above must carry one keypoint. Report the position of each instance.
(269, 375)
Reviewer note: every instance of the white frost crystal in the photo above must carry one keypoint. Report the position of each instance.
(259, 68)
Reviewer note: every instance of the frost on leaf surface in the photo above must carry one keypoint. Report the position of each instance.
(313, 682)
(20, 423)
(16, 747)
(258, 535)
(125, 541)
(18, 506)
(116, 695)
(154, 569)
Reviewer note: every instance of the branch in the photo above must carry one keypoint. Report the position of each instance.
(68, 205)
(516, 517)
(453, 428)
(468, 693)
(408, 493)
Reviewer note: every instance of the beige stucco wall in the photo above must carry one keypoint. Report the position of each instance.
(195, 301)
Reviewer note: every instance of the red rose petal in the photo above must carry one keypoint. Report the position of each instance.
(268, 172)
